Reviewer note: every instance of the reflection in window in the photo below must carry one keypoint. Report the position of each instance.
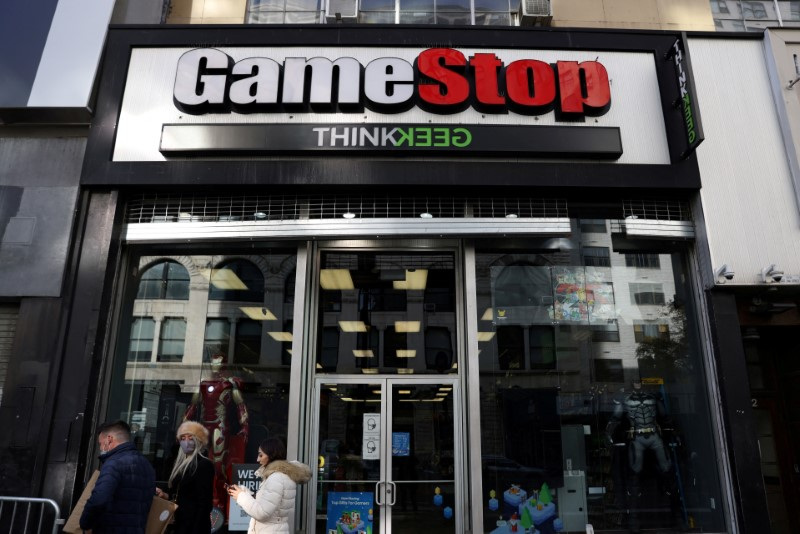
(596, 257)
(510, 348)
(375, 308)
(645, 293)
(438, 348)
(237, 280)
(283, 11)
(142, 335)
(608, 370)
(165, 280)
(605, 332)
(247, 346)
(167, 320)
(542, 347)
(557, 353)
(650, 331)
(218, 333)
(643, 261)
(171, 343)
(754, 10)
(719, 6)
(592, 226)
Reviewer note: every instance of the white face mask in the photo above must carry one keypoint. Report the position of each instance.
(103, 450)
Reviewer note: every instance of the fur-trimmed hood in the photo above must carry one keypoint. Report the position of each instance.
(197, 430)
(299, 472)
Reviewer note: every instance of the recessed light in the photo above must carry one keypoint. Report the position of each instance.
(426, 215)
(511, 215)
(349, 215)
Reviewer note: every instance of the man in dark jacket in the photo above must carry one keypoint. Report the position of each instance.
(124, 490)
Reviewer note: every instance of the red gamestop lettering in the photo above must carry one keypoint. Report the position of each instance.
(442, 80)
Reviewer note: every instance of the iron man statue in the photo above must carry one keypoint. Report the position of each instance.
(212, 405)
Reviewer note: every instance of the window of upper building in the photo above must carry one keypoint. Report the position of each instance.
(646, 293)
(596, 257)
(238, 281)
(444, 12)
(164, 280)
(642, 261)
(719, 6)
(754, 10)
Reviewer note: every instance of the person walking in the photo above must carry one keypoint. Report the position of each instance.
(123, 493)
(273, 504)
(191, 482)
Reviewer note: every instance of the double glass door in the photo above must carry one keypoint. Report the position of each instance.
(388, 459)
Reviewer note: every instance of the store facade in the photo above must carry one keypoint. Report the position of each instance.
(455, 270)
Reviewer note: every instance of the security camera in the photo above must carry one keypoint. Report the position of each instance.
(771, 274)
(724, 272)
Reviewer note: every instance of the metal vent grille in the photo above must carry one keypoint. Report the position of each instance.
(167, 208)
(657, 210)
(664, 219)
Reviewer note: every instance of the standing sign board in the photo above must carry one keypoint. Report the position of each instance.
(244, 475)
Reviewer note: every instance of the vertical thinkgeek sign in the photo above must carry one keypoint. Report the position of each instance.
(687, 99)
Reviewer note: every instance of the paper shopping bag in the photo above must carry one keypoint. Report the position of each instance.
(72, 525)
(161, 513)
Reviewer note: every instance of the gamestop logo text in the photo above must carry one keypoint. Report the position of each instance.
(441, 80)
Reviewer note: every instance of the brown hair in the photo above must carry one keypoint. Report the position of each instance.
(274, 448)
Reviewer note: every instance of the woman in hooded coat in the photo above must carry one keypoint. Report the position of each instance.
(273, 504)
(191, 481)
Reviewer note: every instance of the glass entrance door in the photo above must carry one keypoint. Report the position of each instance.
(387, 456)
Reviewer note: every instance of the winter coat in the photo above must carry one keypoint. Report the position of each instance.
(274, 502)
(123, 493)
(195, 492)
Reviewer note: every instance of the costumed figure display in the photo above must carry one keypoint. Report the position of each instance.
(213, 405)
(643, 411)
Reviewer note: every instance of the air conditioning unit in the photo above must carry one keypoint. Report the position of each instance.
(535, 13)
(341, 11)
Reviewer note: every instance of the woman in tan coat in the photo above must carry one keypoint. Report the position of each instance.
(273, 503)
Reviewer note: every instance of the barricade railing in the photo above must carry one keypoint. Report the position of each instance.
(26, 515)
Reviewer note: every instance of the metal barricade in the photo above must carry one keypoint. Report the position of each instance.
(26, 515)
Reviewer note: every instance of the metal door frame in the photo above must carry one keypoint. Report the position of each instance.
(386, 382)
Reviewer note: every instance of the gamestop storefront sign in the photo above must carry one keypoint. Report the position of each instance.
(434, 101)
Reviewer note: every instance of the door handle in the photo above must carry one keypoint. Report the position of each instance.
(392, 491)
(378, 492)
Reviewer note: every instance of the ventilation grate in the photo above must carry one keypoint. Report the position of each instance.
(163, 208)
(657, 210)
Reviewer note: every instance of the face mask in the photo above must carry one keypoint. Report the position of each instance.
(187, 446)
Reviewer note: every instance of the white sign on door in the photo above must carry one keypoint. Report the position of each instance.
(371, 435)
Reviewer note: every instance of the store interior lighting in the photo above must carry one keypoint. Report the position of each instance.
(258, 314)
(336, 279)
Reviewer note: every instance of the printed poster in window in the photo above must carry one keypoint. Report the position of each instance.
(349, 513)
(600, 295)
(569, 295)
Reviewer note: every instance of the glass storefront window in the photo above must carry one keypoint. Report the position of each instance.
(392, 312)
(205, 337)
(593, 401)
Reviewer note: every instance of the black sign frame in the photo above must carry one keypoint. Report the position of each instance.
(511, 170)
